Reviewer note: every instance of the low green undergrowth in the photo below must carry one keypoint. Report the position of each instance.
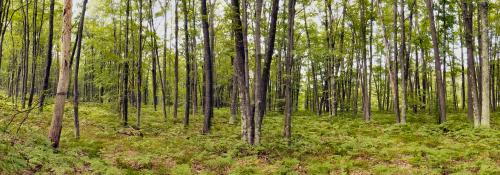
(344, 144)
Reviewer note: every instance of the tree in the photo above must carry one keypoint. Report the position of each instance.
(48, 59)
(437, 64)
(239, 65)
(64, 69)
(208, 102)
(485, 65)
(289, 64)
(188, 69)
(260, 109)
(176, 61)
(364, 79)
(139, 69)
(125, 93)
(77, 64)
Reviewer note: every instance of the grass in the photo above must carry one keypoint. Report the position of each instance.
(321, 145)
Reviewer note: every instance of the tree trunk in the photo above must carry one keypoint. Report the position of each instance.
(188, 69)
(126, 70)
(289, 65)
(485, 65)
(62, 85)
(364, 78)
(473, 105)
(139, 69)
(176, 62)
(258, 76)
(240, 67)
(77, 65)
(439, 81)
(208, 102)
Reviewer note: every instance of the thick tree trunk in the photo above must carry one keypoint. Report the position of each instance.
(62, 85)
(485, 65)
(208, 101)
(473, 108)
(240, 68)
(258, 76)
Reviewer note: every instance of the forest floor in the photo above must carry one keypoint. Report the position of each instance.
(321, 145)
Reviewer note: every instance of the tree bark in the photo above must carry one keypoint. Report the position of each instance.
(437, 64)
(188, 69)
(208, 102)
(289, 65)
(176, 61)
(364, 79)
(485, 65)
(239, 62)
(77, 65)
(62, 85)
(139, 69)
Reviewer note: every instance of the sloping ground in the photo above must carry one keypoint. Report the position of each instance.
(321, 145)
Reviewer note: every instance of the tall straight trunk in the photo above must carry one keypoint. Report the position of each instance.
(400, 115)
(48, 60)
(26, 45)
(289, 65)
(154, 59)
(485, 65)
(139, 69)
(364, 76)
(258, 75)
(176, 61)
(404, 64)
(208, 102)
(126, 69)
(62, 85)
(188, 69)
(473, 106)
(239, 66)
(163, 77)
(34, 53)
(437, 64)
(77, 65)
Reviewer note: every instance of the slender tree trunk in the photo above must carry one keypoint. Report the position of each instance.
(364, 80)
(188, 69)
(176, 61)
(289, 65)
(267, 63)
(77, 65)
(404, 64)
(62, 85)
(139, 69)
(439, 81)
(208, 102)
(126, 70)
(473, 105)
